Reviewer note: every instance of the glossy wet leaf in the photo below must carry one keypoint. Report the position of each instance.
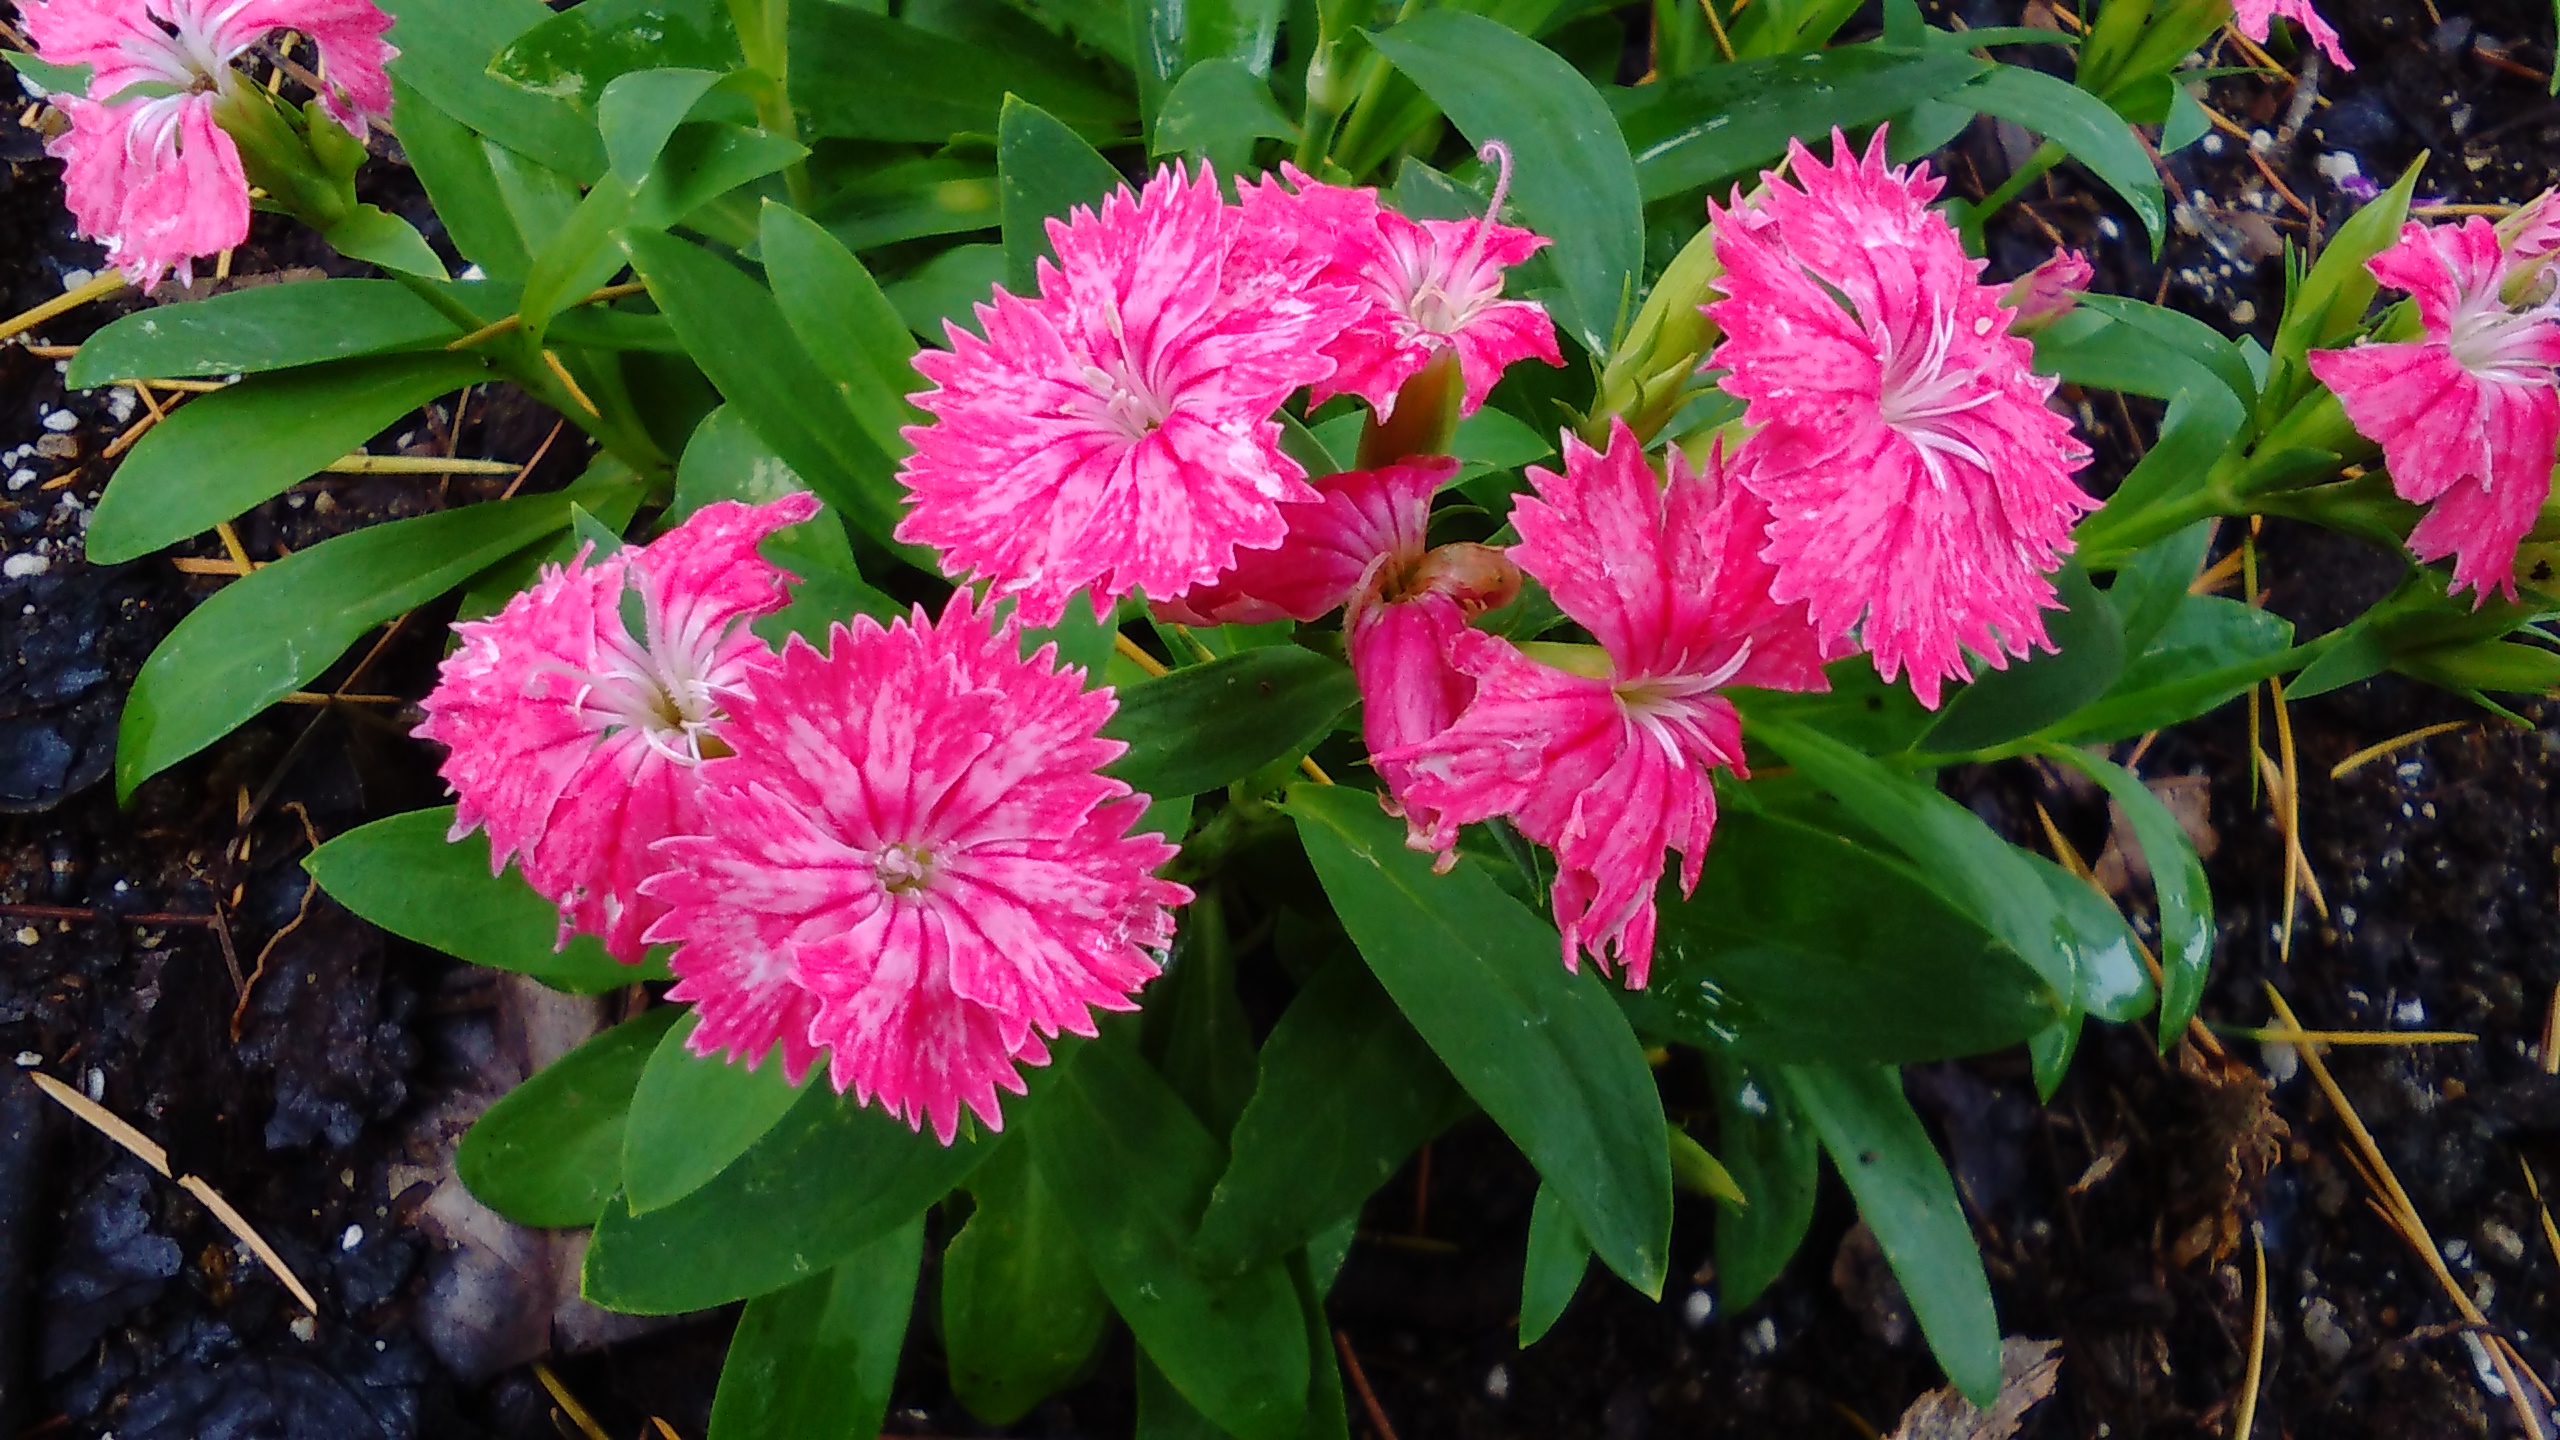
(376, 236)
(578, 53)
(887, 80)
(445, 48)
(1776, 1159)
(271, 632)
(2210, 652)
(1218, 109)
(1543, 1050)
(1725, 122)
(1346, 1092)
(270, 327)
(1769, 958)
(2084, 127)
(693, 1116)
(549, 1152)
(223, 453)
(1021, 1312)
(1132, 1169)
(2001, 705)
(816, 1361)
(1043, 170)
(2178, 882)
(402, 874)
(1209, 725)
(1572, 182)
(1907, 1198)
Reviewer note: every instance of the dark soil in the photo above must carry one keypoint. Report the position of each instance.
(169, 959)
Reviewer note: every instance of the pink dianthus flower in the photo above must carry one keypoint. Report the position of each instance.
(576, 742)
(1919, 487)
(1365, 546)
(2255, 16)
(911, 864)
(152, 175)
(1429, 287)
(1117, 431)
(2467, 417)
(1608, 764)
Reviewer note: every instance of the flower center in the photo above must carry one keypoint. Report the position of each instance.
(1125, 403)
(903, 869)
(1923, 387)
(653, 681)
(2497, 343)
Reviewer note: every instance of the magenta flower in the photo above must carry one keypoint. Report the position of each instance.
(1430, 286)
(574, 741)
(2469, 416)
(146, 169)
(1920, 489)
(1608, 763)
(911, 863)
(2048, 292)
(1117, 432)
(2255, 16)
(1364, 546)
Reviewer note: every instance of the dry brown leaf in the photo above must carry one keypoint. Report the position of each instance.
(2028, 1372)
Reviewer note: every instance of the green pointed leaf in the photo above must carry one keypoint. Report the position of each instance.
(2001, 705)
(1765, 958)
(579, 52)
(271, 632)
(1043, 170)
(1347, 1091)
(638, 111)
(1132, 1168)
(1021, 1312)
(1543, 1050)
(1777, 1161)
(2209, 652)
(549, 1153)
(2177, 879)
(375, 235)
(1212, 724)
(815, 1361)
(1572, 179)
(271, 327)
(223, 453)
(445, 47)
(847, 325)
(1216, 111)
(888, 80)
(1725, 122)
(1553, 1270)
(580, 256)
(2082, 125)
(450, 161)
(402, 874)
(1908, 1200)
(693, 1117)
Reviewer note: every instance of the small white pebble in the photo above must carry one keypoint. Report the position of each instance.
(2244, 312)
(21, 478)
(2108, 227)
(60, 421)
(27, 935)
(305, 1329)
(28, 1059)
(2262, 142)
(1760, 1339)
(19, 567)
(2410, 1012)
(2282, 1061)
(1698, 1309)
(2338, 167)
(74, 278)
(2457, 1250)
(1497, 1383)
(473, 272)
(96, 1085)
(120, 403)
(353, 1238)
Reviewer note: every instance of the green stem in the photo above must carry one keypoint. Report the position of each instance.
(520, 361)
(2046, 157)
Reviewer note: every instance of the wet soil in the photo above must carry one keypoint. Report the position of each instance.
(169, 959)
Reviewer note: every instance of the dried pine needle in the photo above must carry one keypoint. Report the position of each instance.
(2247, 1417)
(2271, 1035)
(568, 1403)
(98, 288)
(2371, 753)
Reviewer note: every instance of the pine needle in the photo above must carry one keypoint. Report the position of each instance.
(2371, 753)
(2247, 1418)
(2271, 1035)
(568, 1403)
(98, 288)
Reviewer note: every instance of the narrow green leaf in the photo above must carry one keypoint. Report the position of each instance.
(577, 53)
(1908, 1200)
(832, 1177)
(402, 874)
(378, 237)
(1021, 1312)
(1572, 178)
(637, 112)
(1543, 1050)
(815, 1361)
(2147, 591)
(581, 255)
(271, 327)
(269, 633)
(2211, 650)
(1347, 1092)
(226, 452)
(1553, 1269)
(2082, 125)
(1216, 111)
(1132, 1169)
(847, 325)
(1765, 959)
(1043, 170)
(549, 1153)
(2001, 705)
(450, 162)
(693, 1117)
(2177, 879)
(444, 51)
(1725, 122)
(1210, 725)
(1777, 1161)
(2203, 417)
(738, 334)
(887, 80)
(54, 79)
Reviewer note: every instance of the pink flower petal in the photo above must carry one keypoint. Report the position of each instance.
(2255, 16)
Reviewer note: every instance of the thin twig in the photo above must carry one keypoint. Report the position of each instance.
(363, 464)
(538, 452)
(2247, 1418)
(91, 912)
(1360, 1383)
(106, 1122)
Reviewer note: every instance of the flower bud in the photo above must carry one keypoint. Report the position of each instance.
(1650, 376)
(1478, 577)
(2048, 292)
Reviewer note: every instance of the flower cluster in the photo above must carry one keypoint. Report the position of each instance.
(147, 167)
(896, 853)
(2468, 414)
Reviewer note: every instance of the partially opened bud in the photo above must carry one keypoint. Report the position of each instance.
(1478, 577)
(2048, 292)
